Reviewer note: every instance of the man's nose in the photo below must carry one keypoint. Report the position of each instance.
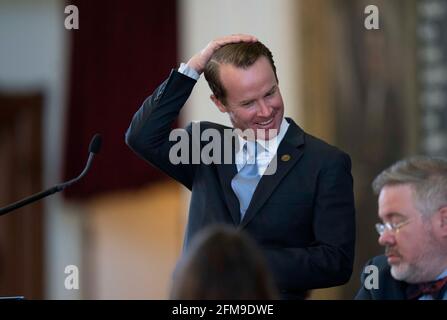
(263, 110)
(386, 238)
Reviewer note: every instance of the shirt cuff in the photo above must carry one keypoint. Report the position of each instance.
(187, 71)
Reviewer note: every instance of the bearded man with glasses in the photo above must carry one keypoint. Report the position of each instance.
(413, 209)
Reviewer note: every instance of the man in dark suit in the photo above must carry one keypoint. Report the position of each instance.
(296, 201)
(413, 208)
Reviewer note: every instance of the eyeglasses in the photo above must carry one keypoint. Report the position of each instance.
(393, 227)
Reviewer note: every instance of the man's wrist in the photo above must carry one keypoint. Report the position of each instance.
(188, 71)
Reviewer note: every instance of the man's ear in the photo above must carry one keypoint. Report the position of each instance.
(218, 104)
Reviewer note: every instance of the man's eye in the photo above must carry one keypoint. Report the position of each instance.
(271, 93)
(396, 224)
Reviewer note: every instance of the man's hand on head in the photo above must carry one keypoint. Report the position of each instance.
(200, 59)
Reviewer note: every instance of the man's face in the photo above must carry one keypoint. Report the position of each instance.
(253, 98)
(412, 250)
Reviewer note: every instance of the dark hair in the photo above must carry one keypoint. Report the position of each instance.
(241, 55)
(222, 263)
(427, 176)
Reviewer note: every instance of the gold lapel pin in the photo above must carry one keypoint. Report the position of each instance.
(285, 157)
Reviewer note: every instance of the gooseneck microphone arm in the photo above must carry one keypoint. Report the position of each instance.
(95, 146)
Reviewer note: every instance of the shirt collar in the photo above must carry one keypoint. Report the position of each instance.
(271, 146)
(442, 275)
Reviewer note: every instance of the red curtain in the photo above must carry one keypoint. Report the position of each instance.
(120, 53)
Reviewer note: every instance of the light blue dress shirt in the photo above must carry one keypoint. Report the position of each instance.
(429, 297)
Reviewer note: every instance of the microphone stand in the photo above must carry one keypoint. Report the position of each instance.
(94, 147)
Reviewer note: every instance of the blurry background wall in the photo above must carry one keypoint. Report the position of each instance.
(33, 58)
(123, 224)
(361, 96)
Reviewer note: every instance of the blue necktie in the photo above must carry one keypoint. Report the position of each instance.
(245, 181)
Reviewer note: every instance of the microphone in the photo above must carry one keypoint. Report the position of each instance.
(95, 146)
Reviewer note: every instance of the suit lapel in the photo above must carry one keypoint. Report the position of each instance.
(286, 157)
(226, 173)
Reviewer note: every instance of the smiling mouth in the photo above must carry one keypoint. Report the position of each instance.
(265, 123)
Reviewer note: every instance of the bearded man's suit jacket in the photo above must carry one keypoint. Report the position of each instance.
(387, 287)
(302, 216)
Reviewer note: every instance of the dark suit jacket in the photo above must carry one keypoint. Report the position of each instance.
(302, 216)
(388, 289)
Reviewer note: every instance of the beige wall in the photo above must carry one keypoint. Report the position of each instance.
(134, 239)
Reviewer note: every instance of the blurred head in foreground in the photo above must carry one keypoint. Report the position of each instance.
(222, 263)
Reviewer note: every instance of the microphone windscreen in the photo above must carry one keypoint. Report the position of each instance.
(95, 144)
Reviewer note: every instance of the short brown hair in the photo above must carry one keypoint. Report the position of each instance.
(223, 263)
(241, 55)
